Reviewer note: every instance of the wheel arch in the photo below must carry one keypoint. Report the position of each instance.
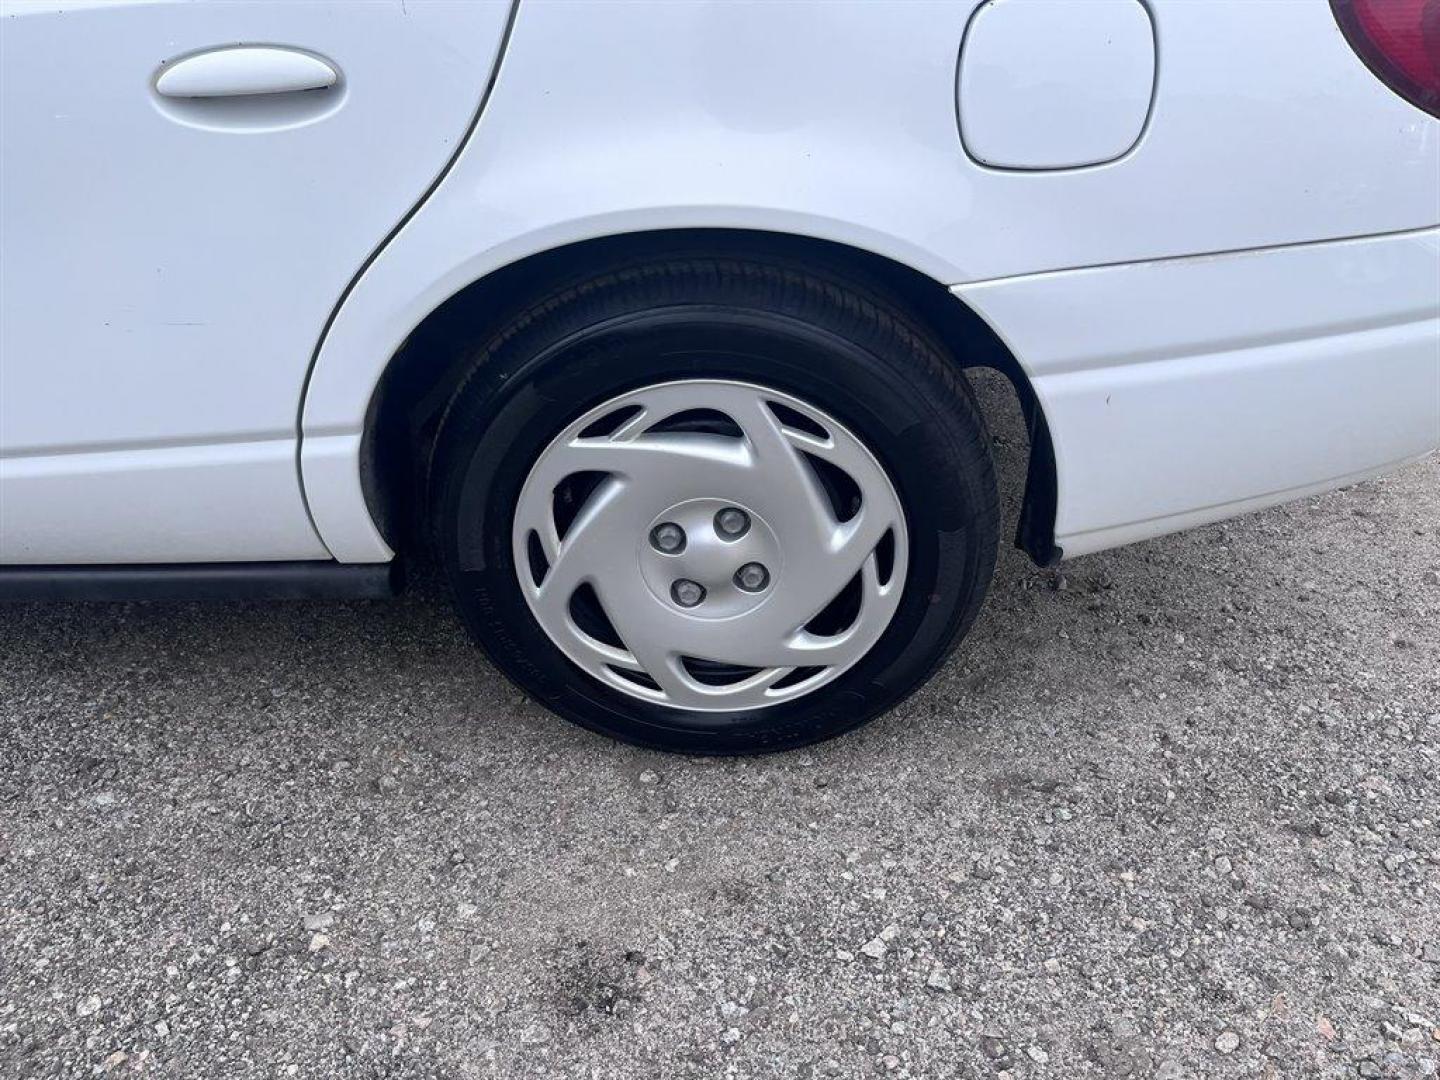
(416, 383)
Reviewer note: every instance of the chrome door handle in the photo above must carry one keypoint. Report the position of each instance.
(245, 70)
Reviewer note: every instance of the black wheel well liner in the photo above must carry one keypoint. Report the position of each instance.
(420, 377)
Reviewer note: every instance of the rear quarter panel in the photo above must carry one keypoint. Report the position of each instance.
(839, 122)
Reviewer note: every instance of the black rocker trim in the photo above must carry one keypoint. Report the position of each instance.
(203, 581)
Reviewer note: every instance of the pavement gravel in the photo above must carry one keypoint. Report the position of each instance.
(1170, 812)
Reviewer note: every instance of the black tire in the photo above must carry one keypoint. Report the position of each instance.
(851, 350)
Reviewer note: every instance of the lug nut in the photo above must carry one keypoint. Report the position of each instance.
(752, 577)
(667, 537)
(687, 593)
(732, 523)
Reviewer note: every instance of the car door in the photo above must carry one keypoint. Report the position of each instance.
(186, 191)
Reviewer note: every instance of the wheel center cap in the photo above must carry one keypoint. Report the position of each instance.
(712, 556)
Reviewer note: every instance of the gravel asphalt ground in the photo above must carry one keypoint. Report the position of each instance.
(1170, 814)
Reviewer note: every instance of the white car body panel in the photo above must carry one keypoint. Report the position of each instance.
(166, 277)
(1248, 378)
(1266, 130)
(834, 121)
(171, 504)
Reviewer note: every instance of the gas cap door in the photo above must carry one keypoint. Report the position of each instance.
(1055, 84)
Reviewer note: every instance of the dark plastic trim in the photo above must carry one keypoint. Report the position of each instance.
(203, 581)
(1035, 530)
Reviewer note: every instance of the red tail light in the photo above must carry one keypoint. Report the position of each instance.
(1399, 40)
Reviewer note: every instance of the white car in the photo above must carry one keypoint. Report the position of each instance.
(652, 319)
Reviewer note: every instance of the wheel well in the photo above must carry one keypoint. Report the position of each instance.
(419, 380)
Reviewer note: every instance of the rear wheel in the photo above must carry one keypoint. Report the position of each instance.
(715, 506)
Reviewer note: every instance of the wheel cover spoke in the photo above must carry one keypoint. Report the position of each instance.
(822, 518)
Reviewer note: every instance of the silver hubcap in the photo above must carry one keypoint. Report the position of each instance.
(710, 545)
